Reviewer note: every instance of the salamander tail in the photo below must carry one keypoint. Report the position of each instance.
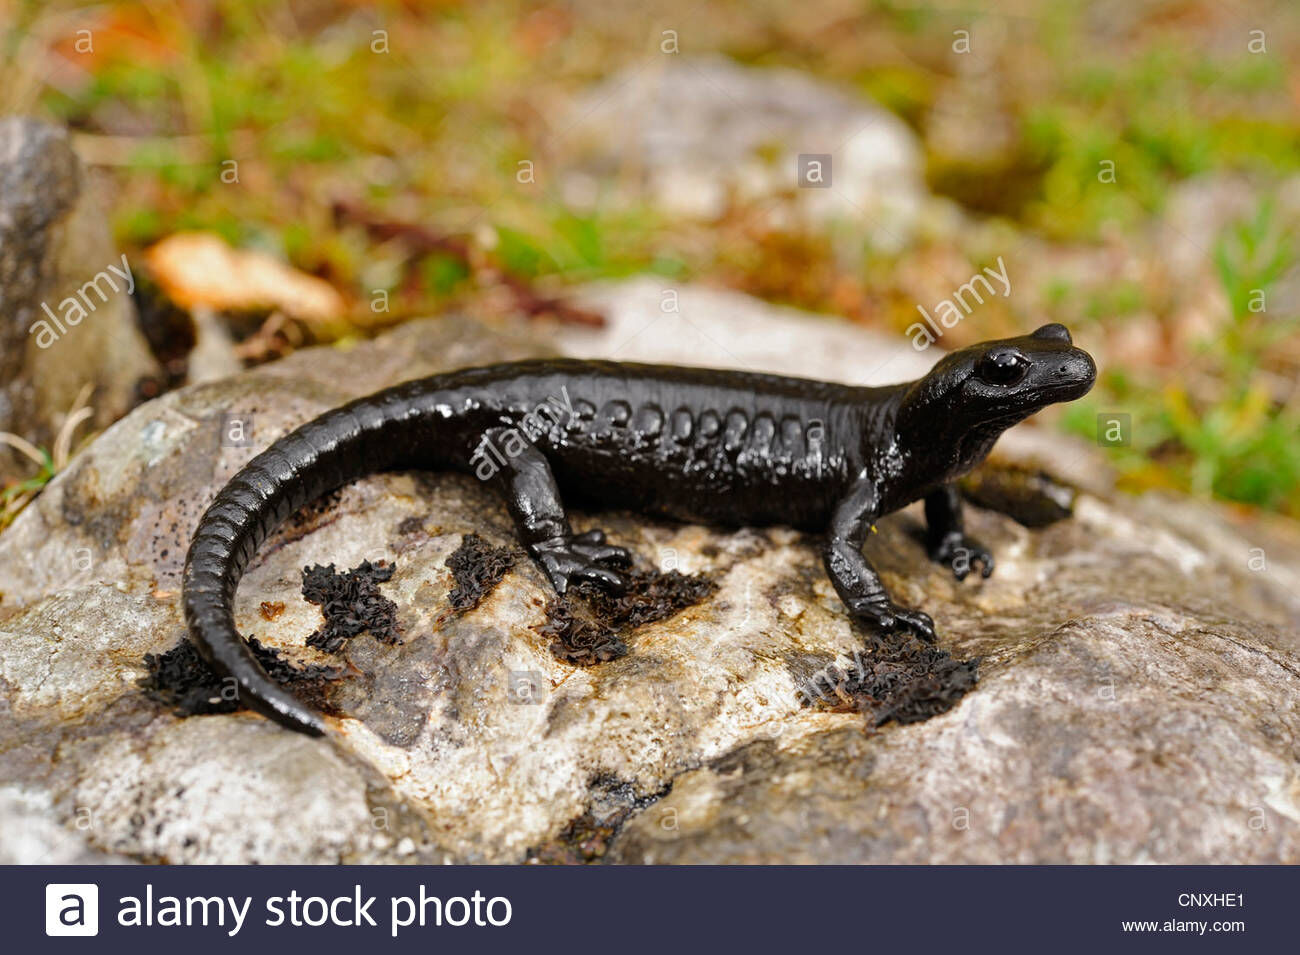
(338, 447)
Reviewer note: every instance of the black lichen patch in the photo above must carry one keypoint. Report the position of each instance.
(650, 596)
(586, 622)
(576, 638)
(410, 525)
(903, 680)
(476, 568)
(182, 681)
(351, 604)
(586, 839)
(323, 510)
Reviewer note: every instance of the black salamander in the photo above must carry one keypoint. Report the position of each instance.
(718, 447)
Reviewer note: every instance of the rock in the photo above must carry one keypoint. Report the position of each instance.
(34, 835)
(54, 240)
(81, 606)
(657, 320)
(1119, 730)
(1139, 695)
(162, 795)
(693, 132)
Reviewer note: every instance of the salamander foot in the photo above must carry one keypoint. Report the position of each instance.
(585, 556)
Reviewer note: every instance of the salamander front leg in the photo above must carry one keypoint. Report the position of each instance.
(946, 538)
(855, 580)
(535, 505)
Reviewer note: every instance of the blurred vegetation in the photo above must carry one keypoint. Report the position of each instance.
(1241, 444)
(427, 126)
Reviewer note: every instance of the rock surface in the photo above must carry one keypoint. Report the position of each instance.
(1139, 698)
(693, 132)
(658, 320)
(53, 240)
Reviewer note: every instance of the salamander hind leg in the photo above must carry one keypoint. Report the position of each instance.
(566, 558)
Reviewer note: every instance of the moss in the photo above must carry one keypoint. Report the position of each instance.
(351, 604)
(182, 681)
(476, 568)
(905, 680)
(589, 622)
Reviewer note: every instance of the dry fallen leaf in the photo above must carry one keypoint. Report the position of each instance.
(200, 269)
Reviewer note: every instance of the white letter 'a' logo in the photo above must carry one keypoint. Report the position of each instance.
(71, 908)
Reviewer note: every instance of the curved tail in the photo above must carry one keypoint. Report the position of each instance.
(369, 435)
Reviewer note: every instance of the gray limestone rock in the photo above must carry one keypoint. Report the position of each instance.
(66, 318)
(693, 132)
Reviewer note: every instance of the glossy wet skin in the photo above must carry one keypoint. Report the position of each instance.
(971, 396)
(1012, 377)
(715, 446)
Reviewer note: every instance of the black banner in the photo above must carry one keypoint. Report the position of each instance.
(625, 910)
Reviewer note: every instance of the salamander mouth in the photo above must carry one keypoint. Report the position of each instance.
(1066, 391)
(1071, 379)
(1077, 378)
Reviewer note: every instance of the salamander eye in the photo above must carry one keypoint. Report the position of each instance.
(1002, 368)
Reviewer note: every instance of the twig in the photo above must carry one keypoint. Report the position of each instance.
(421, 241)
(23, 445)
(63, 440)
(19, 495)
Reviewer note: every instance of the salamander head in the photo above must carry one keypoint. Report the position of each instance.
(971, 396)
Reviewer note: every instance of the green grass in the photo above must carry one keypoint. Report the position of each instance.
(1242, 442)
(431, 133)
(16, 494)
